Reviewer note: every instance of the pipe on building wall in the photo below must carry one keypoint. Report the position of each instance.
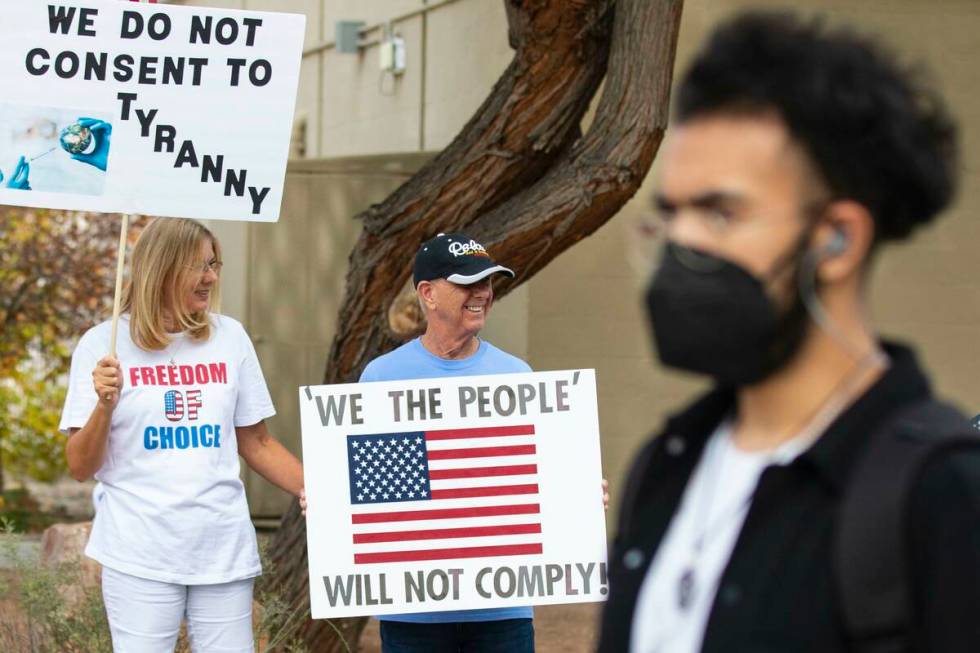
(422, 63)
(325, 45)
(319, 49)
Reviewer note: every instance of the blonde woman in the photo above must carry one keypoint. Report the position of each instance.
(161, 429)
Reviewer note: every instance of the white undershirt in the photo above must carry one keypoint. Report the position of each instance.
(714, 506)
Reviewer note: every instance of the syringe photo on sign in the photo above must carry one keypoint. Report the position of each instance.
(54, 150)
(455, 493)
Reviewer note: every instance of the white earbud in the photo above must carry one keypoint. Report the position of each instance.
(837, 245)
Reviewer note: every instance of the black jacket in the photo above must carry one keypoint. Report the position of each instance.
(778, 591)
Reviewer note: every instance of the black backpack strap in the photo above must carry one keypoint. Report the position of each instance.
(872, 545)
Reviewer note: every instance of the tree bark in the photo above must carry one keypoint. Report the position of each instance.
(520, 177)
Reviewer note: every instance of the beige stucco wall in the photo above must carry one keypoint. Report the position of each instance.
(584, 309)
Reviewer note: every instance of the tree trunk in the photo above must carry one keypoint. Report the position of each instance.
(520, 177)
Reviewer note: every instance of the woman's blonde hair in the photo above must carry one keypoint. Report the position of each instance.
(165, 265)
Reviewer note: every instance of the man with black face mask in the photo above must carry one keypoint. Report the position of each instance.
(819, 499)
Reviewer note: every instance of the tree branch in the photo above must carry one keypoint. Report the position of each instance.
(531, 116)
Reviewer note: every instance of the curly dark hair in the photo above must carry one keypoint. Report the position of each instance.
(876, 132)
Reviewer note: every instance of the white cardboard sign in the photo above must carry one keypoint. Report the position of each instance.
(453, 494)
(145, 108)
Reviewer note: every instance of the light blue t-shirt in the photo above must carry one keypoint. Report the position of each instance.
(413, 361)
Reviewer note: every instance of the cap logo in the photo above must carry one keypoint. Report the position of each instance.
(471, 248)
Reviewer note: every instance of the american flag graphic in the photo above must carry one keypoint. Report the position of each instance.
(406, 489)
(173, 405)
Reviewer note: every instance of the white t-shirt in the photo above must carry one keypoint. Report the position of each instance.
(713, 508)
(169, 505)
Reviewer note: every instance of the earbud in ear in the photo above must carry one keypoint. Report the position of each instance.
(837, 245)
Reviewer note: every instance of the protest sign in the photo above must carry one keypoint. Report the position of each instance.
(453, 494)
(147, 109)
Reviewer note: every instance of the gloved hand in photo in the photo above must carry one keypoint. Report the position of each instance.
(19, 177)
(101, 132)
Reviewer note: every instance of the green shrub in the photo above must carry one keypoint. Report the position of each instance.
(49, 610)
(21, 513)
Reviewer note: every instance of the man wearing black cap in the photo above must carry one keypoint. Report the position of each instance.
(453, 281)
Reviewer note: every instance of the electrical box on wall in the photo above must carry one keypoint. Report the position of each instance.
(348, 35)
(392, 55)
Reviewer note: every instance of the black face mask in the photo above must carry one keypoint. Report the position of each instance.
(713, 317)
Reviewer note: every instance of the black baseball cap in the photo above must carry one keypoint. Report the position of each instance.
(457, 258)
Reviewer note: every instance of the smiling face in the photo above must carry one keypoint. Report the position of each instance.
(198, 281)
(454, 309)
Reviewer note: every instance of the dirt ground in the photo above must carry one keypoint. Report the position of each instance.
(557, 629)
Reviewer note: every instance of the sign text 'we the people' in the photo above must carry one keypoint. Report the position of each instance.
(427, 403)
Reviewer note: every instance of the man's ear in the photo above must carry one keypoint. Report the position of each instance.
(427, 294)
(843, 240)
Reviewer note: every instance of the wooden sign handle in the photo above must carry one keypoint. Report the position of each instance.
(117, 299)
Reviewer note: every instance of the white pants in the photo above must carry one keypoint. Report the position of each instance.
(145, 615)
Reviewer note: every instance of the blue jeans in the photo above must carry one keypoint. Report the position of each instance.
(505, 636)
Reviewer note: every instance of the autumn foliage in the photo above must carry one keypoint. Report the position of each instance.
(57, 271)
